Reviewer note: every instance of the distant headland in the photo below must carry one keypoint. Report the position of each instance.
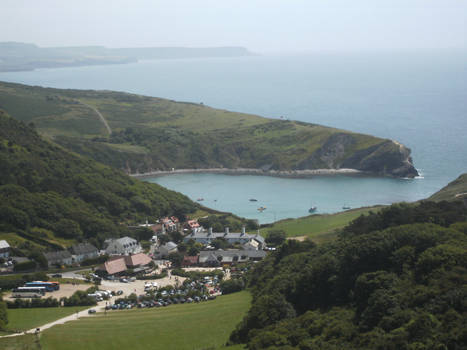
(15, 56)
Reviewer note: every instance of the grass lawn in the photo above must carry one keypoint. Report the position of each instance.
(319, 226)
(25, 319)
(23, 342)
(188, 326)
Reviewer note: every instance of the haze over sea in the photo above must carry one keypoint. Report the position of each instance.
(417, 98)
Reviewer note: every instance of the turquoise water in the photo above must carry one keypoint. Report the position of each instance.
(287, 198)
(418, 99)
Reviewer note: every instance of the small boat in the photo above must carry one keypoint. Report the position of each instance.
(261, 209)
(200, 199)
(346, 207)
(312, 209)
(253, 200)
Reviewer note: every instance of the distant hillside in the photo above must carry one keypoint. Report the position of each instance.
(149, 134)
(50, 197)
(20, 56)
(455, 190)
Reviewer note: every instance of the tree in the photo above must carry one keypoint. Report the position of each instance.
(276, 237)
(176, 259)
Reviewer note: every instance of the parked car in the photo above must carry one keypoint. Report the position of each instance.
(57, 275)
(91, 311)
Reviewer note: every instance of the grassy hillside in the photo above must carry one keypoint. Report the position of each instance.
(455, 190)
(156, 134)
(50, 197)
(318, 226)
(187, 326)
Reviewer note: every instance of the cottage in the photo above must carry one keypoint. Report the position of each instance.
(62, 257)
(193, 226)
(83, 251)
(228, 257)
(118, 265)
(4, 249)
(114, 266)
(232, 238)
(122, 246)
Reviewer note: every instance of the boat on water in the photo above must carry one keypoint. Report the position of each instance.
(261, 209)
(312, 209)
(253, 200)
(346, 207)
(200, 199)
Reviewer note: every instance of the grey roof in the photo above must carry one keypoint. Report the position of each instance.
(169, 245)
(207, 255)
(232, 235)
(83, 248)
(4, 244)
(126, 240)
(62, 254)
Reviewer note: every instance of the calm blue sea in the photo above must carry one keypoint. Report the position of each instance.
(419, 99)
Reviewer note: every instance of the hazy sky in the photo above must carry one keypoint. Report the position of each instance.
(260, 25)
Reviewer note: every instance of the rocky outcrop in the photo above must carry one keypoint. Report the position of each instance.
(388, 158)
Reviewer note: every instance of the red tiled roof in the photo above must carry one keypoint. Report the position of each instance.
(114, 266)
(190, 260)
(137, 260)
(193, 223)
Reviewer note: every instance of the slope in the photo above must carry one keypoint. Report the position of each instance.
(52, 197)
(151, 134)
(455, 190)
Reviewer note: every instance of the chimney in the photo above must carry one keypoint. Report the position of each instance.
(210, 231)
(193, 231)
(226, 230)
(243, 231)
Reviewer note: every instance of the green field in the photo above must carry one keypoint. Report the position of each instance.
(25, 319)
(319, 226)
(188, 326)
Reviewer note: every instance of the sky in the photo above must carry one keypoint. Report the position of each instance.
(260, 25)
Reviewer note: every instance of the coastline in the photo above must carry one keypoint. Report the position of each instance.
(252, 171)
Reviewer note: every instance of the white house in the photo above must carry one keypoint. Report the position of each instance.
(123, 246)
(4, 249)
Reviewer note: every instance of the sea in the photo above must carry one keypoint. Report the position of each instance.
(417, 98)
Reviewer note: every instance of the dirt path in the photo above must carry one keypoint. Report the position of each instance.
(101, 117)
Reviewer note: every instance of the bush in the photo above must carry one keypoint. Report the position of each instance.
(29, 303)
(25, 266)
(153, 277)
(94, 261)
(79, 298)
(232, 286)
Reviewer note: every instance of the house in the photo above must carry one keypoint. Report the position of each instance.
(190, 261)
(62, 257)
(169, 224)
(114, 266)
(118, 265)
(193, 226)
(84, 251)
(232, 238)
(228, 257)
(122, 246)
(4, 249)
(164, 250)
(137, 261)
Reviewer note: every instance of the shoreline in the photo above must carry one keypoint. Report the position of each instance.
(253, 171)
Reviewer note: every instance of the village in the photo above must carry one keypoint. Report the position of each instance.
(181, 262)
